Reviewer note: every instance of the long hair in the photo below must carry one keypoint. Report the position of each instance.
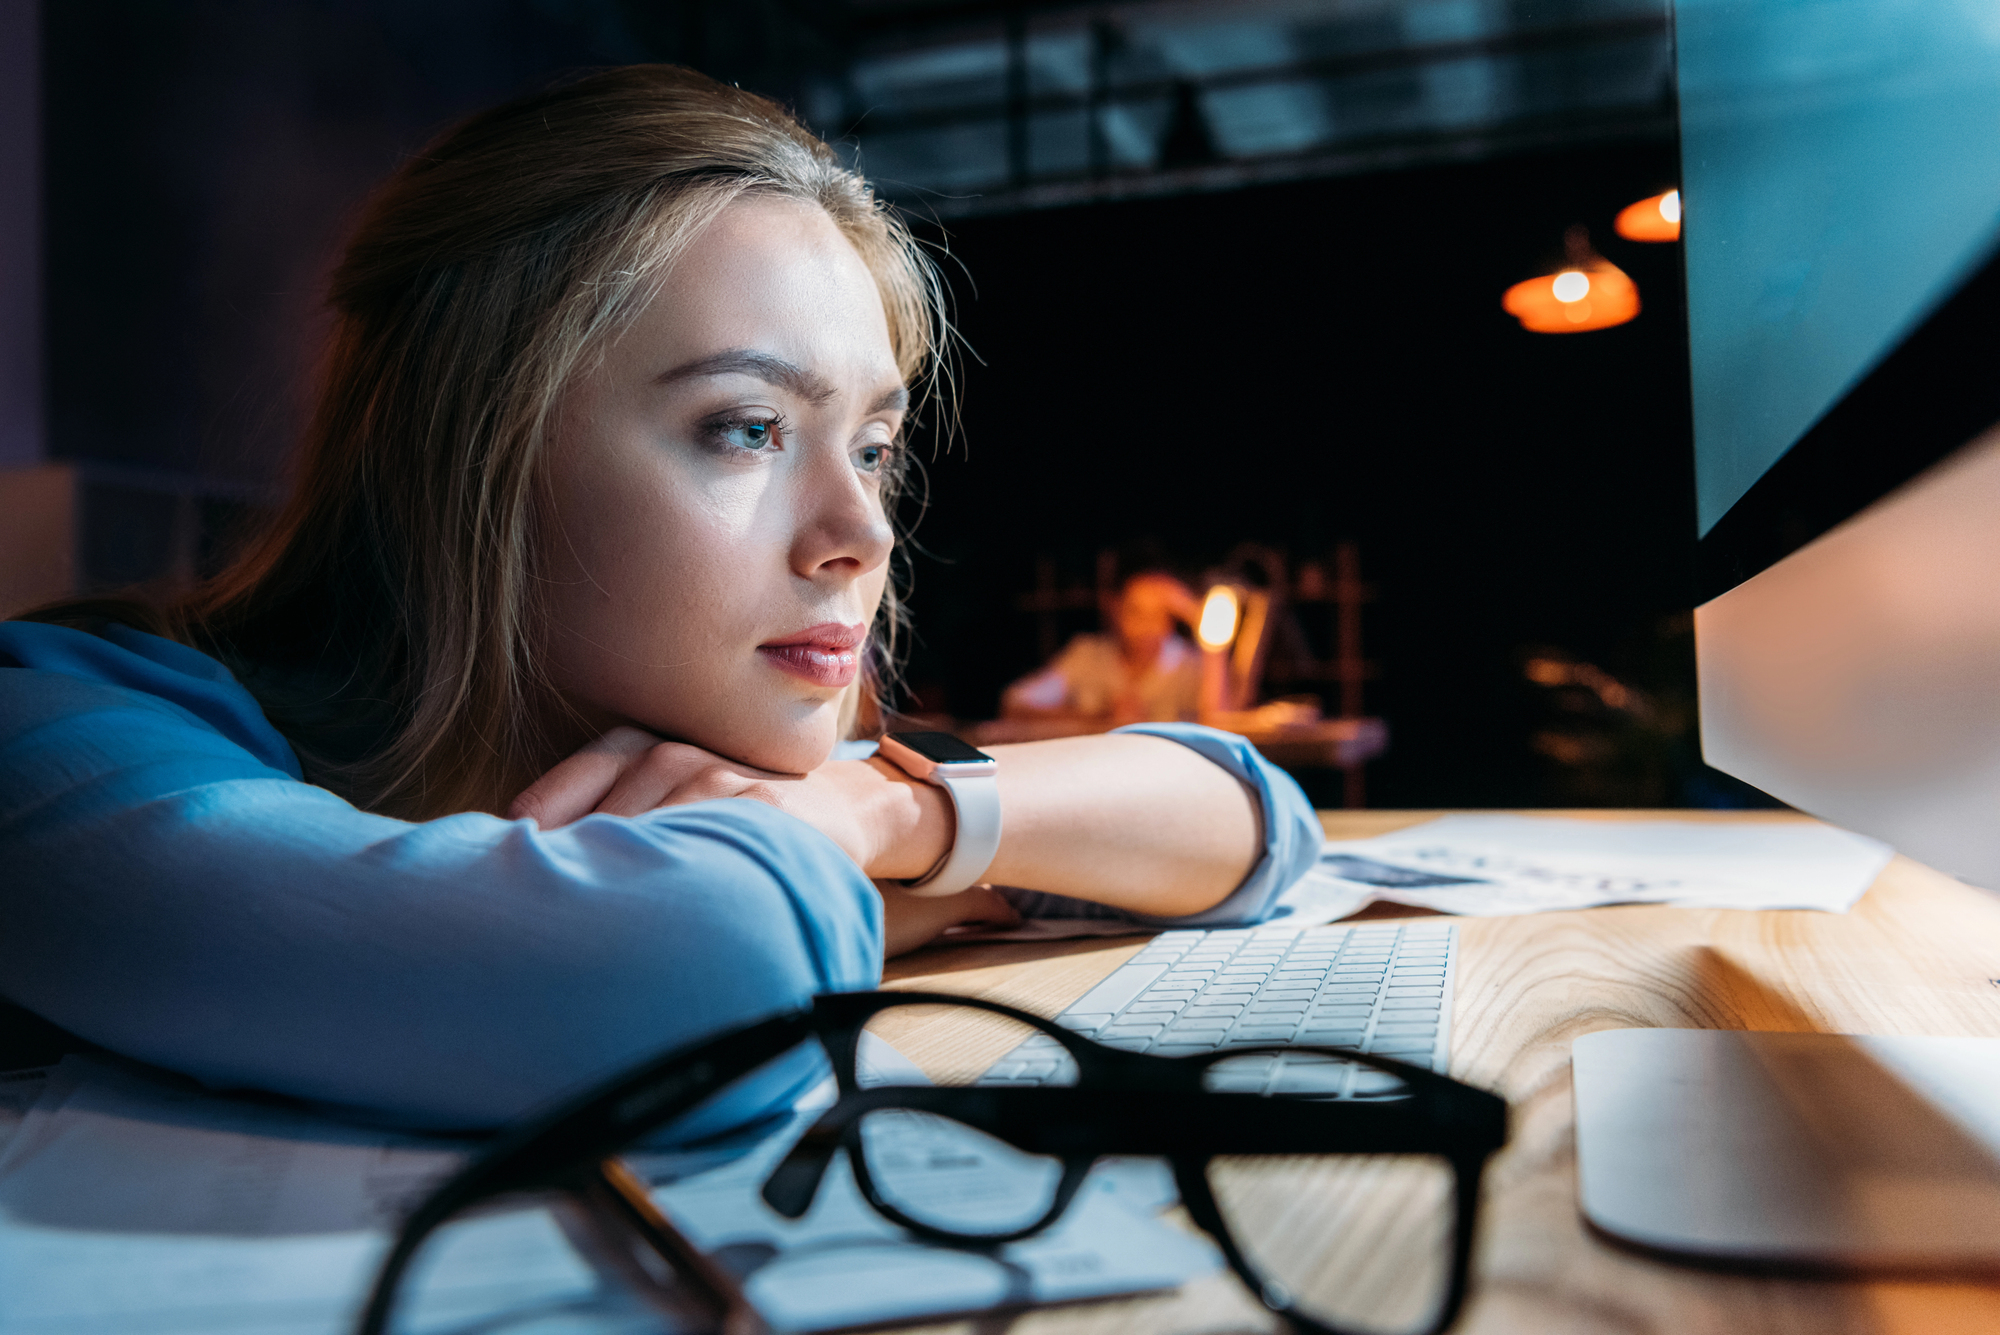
(386, 620)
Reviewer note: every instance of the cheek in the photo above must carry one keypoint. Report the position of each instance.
(647, 566)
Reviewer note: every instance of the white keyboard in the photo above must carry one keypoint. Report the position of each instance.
(1373, 988)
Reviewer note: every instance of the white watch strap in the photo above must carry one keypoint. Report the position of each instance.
(976, 799)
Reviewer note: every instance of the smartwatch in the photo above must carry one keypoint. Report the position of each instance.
(967, 775)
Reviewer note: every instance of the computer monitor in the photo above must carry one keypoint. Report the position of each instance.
(1841, 183)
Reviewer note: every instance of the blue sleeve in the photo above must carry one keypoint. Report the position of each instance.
(170, 895)
(1292, 838)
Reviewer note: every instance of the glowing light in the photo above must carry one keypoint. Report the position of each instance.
(1588, 293)
(1218, 618)
(1655, 218)
(1547, 671)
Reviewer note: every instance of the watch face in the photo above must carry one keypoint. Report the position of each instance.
(941, 748)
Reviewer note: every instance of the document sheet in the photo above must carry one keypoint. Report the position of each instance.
(1500, 865)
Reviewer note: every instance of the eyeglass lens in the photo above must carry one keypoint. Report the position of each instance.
(942, 1173)
(1360, 1243)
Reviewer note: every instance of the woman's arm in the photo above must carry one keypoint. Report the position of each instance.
(1135, 822)
(171, 896)
(1148, 824)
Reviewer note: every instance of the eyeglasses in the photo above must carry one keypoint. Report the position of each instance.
(1341, 1188)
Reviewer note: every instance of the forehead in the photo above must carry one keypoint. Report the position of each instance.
(776, 276)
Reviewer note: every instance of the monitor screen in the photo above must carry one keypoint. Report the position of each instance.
(1840, 166)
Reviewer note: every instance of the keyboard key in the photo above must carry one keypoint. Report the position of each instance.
(1083, 1024)
(1274, 1032)
(1386, 1031)
(1401, 993)
(1349, 1037)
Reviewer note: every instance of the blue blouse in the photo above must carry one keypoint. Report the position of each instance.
(172, 889)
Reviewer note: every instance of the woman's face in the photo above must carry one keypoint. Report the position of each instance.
(717, 545)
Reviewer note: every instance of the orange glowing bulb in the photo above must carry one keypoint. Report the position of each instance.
(1218, 618)
(1657, 218)
(1571, 285)
(1590, 292)
(1575, 301)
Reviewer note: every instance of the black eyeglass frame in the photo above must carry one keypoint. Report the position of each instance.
(1115, 1107)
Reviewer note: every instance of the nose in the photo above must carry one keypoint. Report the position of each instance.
(841, 532)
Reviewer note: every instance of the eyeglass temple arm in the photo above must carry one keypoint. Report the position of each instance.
(619, 1193)
(795, 1181)
(545, 1152)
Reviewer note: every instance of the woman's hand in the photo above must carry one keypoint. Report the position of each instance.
(910, 921)
(891, 825)
(627, 771)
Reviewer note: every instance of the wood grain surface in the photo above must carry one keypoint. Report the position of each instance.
(1919, 955)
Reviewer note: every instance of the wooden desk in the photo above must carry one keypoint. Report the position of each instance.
(1919, 955)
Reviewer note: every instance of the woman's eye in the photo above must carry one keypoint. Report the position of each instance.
(873, 458)
(758, 435)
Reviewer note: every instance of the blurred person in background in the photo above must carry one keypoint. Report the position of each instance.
(1142, 672)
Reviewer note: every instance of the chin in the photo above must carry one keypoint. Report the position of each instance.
(794, 750)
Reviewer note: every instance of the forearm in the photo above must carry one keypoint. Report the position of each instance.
(1136, 822)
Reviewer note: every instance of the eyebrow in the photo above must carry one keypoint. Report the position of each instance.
(777, 371)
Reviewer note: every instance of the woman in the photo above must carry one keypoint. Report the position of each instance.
(502, 759)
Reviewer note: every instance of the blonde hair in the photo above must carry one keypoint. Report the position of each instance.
(386, 619)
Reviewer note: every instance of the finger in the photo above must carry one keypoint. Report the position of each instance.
(670, 773)
(575, 786)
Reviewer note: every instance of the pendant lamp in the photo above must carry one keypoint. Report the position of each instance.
(1657, 218)
(1590, 292)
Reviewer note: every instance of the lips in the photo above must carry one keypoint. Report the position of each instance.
(826, 655)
